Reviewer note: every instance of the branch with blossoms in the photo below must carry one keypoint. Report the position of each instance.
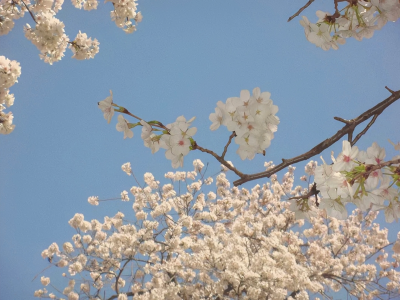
(354, 176)
(196, 244)
(49, 36)
(251, 119)
(348, 129)
(358, 19)
(300, 10)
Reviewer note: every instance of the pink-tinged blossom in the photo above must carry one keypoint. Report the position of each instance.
(345, 162)
(376, 154)
(107, 107)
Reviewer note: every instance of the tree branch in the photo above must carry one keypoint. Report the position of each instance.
(227, 144)
(33, 17)
(349, 127)
(313, 192)
(372, 168)
(300, 10)
(220, 159)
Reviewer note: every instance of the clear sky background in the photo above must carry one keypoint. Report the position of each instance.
(184, 57)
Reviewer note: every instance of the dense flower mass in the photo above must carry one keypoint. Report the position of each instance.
(232, 244)
(359, 19)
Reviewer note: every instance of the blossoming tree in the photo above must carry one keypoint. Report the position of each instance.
(235, 243)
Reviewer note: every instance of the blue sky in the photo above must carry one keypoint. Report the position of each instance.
(184, 57)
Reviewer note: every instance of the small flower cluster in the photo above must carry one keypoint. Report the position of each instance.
(359, 19)
(83, 47)
(252, 118)
(356, 177)
(176, 138)
(124, 13)
(235, 243)
(86, 4)
(10, 70)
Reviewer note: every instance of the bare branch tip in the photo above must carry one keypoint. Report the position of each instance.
(341, 120)
(390, 91)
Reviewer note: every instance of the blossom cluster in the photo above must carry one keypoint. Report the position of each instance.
(176, 138)
(177, 143)
(359, 19)
(49, 36)
(252, 118)
(232, 243)
(10, 70)
(356, 177)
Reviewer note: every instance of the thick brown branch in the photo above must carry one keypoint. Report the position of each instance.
(376, 110)
(300, 10)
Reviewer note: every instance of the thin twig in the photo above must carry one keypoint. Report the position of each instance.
(364, 130)
(33, 17)
(227, 144)
(119, 275)
(300, 10)
(41, 272)
(312, 192)
(125, 111)
(389, 90)
(372, 168)
(376, 110)
(220, 159)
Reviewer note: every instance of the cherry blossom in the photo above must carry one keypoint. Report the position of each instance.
(123, 126)
(345, 162)
(107, 107)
